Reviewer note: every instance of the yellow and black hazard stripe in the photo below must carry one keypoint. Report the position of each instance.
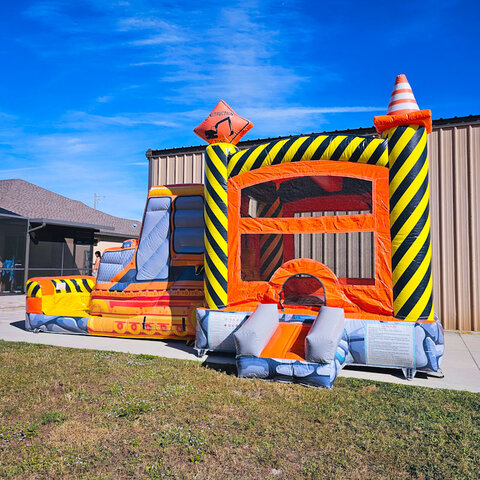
(348, 148)
(271, 245)
(216, 225)
(33, 289)
(73, 285)
(410, 223)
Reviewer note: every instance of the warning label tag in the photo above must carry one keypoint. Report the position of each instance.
(390, 344)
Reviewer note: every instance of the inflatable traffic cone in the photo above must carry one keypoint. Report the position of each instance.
(402, 99)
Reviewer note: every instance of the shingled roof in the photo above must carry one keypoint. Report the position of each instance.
(34, 202)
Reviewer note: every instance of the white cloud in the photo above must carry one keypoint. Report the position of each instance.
(104, 99)
(232, 56)
(141, 23)
(158, 39)
(88, 121)
(279, 121)
(66, 145)
(142, 64)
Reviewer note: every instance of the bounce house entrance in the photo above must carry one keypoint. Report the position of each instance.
(302, 289)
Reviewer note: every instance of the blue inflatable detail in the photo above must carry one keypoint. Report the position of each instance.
(304, 373)
(153, 254)
(57, 324)
(112, 262)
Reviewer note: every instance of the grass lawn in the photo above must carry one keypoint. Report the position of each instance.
(68, 413)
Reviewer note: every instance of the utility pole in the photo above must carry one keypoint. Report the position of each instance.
(96, 197)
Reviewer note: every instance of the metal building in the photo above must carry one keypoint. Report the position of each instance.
(454, 152)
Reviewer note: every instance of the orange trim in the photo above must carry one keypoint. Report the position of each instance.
(174, 289)
(34, 305)
(420, 117)
(147, 336)
(119, 249)
(327, 224)
(312, 167)
(175, 190)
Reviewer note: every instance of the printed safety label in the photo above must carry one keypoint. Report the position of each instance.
(390, 344)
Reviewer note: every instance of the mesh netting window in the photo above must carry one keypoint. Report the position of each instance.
(308, 195)
(188, 225)
(350, 255)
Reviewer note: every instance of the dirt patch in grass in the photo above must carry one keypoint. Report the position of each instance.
(71, 414)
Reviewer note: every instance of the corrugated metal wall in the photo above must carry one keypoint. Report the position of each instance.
(174, 169)
(454, 204)
(348, 255)
(454, 151)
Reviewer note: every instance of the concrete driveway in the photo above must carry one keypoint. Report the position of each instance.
(461, 362)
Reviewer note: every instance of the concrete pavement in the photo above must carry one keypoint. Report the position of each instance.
(461, 362)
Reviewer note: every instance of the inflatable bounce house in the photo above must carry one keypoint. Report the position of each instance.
(238, 264)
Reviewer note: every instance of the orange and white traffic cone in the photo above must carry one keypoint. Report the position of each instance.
(402, 99)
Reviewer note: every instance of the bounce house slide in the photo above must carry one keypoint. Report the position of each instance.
(294, 351)
(145, 290)
(300, 256)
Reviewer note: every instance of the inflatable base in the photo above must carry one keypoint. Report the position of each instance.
(144, 326)
(56, 324)
(409, 346)
(295, 371)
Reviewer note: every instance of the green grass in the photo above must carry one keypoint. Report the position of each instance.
(74, 414)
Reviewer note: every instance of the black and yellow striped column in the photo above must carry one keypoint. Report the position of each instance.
(410, 222)
(271, 245)
(216, 224)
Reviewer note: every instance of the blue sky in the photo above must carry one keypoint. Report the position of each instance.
(87, 87)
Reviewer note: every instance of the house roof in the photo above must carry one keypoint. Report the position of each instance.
(41, 205)
(368, 131)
